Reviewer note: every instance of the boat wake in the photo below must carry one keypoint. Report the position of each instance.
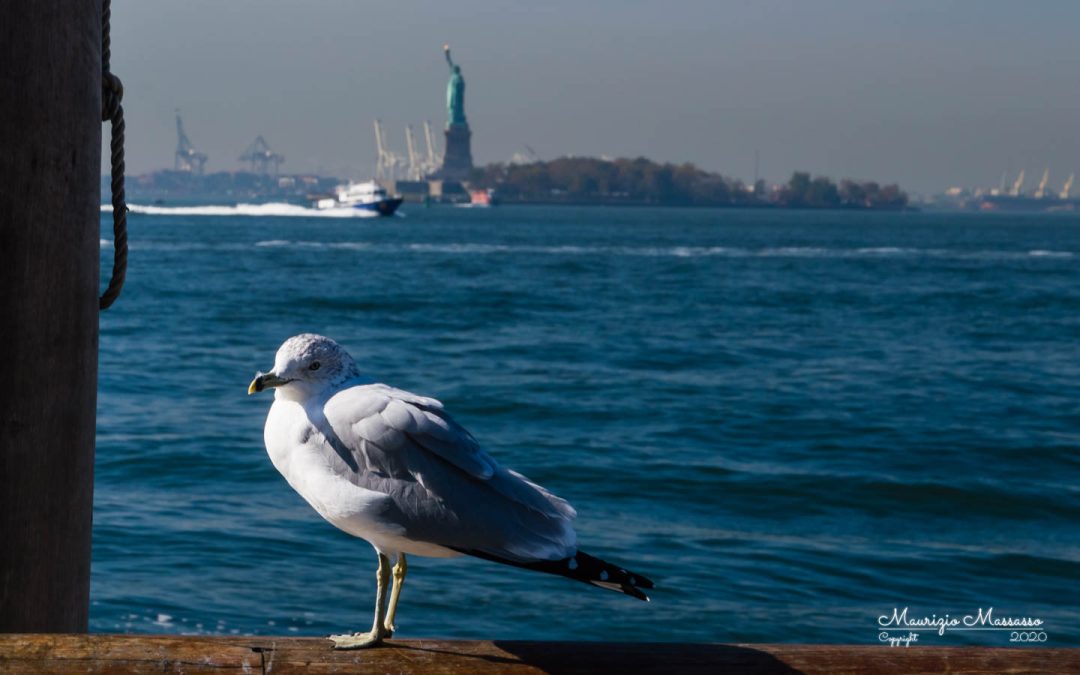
(474, 248)
(272, 209)
(483, 249)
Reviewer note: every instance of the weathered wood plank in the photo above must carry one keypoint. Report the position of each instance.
(124, 654)
(179, 654)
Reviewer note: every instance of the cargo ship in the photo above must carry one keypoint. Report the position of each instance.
(1041, 199)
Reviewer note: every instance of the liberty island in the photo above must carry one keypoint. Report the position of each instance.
(452, 177)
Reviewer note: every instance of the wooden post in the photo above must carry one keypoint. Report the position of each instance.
(50, 167)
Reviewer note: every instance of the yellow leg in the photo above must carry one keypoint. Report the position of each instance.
(378, 631)
(400, 568)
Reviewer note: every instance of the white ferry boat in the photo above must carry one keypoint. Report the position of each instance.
(366, 196)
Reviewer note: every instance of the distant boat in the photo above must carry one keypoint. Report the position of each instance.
(480, 199)
(366, 196)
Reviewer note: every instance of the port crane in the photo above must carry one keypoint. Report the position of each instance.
(1016, 186)
(386, 163)
(416, 170)
(434, 158)
(261, 158)
(1068, 186)
(1040, 191)
(417, 164)
(188, 159)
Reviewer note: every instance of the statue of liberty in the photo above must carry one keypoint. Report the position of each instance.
(457, 157)
(455, 93)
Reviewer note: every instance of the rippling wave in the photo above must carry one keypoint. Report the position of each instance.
(458, 248)
(792, 421)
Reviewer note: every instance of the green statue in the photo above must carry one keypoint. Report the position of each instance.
(455, 93)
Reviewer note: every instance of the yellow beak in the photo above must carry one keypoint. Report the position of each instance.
(265, 381)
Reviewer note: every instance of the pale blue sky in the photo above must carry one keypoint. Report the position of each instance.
(926, 93)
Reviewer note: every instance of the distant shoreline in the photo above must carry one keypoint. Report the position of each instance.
(573, 181)
(232, 200)
(765, 206)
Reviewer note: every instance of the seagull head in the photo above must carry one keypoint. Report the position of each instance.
(305, 366)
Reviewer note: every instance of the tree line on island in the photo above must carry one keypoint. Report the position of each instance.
(641, 181)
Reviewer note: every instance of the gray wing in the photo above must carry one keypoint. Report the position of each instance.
(444, 489)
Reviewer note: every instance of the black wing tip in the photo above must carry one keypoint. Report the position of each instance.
(601, 570)
(643, 582)
(585, 568)
(626, 582)
(626, 589)
(636, 593)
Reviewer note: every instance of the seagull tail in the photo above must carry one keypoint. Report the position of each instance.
(583, 567)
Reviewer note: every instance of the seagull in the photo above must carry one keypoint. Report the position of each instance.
(396, 470)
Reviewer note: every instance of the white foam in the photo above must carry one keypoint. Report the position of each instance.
(180, 246)
(1050, 254)
(474, 248)
(798, 252)
(271, 209)
(347, 245)
(886, 250)
(462, 248)
(647, 251)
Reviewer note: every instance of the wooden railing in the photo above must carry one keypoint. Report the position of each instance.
(98, 653)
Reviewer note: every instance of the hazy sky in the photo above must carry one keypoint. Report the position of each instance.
(929, 94)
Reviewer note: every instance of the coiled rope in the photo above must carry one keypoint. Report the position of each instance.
(112, 92)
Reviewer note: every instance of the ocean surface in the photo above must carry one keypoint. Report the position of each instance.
(794, 422)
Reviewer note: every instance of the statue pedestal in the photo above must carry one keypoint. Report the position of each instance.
(457, 160)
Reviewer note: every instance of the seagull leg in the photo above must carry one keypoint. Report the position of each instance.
(378, 630)
(400, 568)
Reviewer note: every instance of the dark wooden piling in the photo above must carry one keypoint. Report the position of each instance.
(144, 654)
(50, 168)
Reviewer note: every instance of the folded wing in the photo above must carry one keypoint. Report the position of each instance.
(444, 488)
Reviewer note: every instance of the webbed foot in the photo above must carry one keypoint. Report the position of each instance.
(358, 640)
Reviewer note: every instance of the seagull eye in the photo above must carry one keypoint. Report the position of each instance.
(314, 365)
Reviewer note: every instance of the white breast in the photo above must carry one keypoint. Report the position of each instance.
(301, 453)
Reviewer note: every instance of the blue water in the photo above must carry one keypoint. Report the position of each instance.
(794, 422)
